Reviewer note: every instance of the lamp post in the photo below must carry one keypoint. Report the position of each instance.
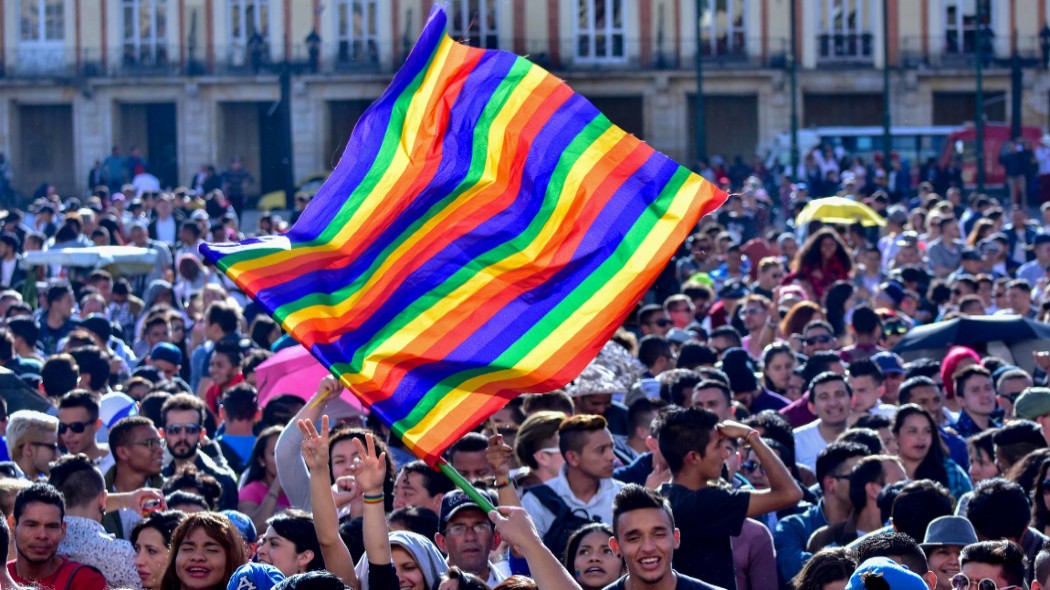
(887, 139)
(980, 40)
(701, 131)
(793, 76)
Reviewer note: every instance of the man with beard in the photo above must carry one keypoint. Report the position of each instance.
(182, 418)
(39, 510)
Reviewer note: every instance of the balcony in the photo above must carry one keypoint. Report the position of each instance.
(941, 52)
(846, 49)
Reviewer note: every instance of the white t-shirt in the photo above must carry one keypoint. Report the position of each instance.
(808, 444)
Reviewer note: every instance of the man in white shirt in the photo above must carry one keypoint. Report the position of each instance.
(830, 398)
(585, 484)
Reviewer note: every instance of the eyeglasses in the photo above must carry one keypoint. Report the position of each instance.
(76, 427)
(52, 446)
(816, 340)
(753, 310)
(177, 429)
(149, 443)
(752, 466)
(458, 530)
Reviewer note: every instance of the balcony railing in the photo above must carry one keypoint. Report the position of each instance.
(372, 57)
(846, 48)
(935, 52)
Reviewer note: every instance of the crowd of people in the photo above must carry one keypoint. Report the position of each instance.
(748, 427)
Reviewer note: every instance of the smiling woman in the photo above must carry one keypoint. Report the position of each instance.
(205, 551)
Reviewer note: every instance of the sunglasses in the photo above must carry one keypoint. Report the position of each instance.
(752, 466)
(961, 582)
(76, 427)
(662, 322)
(816, 340)
(894, 328)
(177, 429)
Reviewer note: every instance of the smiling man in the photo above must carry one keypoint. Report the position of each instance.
(976, 392)
(78, 423)
(830, 400)
(39, 510)
(645, 535)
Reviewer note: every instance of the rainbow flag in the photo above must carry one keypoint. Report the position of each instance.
(484, 234)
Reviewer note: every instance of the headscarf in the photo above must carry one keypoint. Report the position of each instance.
(951, 363)
(427, 557)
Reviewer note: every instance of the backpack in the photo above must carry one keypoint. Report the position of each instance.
(566, 520)
(67, 572)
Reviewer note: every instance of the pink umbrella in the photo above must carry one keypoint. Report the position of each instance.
(294, 370)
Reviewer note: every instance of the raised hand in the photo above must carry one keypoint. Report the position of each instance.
(315, 444)
(499, 455)
(345, 490)
(514, 526)
(731, 429)
(368, 468)
(327, 390)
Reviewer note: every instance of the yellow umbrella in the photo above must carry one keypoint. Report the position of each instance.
(839, 210)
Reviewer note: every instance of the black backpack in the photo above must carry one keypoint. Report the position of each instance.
(566, 520)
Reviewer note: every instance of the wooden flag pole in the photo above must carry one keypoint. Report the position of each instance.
(480, 499)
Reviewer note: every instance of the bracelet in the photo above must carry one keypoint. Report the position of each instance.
(271, 495)
(502, 484)
(376, 499)
(747, 438)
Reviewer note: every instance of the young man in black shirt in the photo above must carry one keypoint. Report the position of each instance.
(644, 533)
(690, 441)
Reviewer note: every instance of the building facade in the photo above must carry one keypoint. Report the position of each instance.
(193, 82)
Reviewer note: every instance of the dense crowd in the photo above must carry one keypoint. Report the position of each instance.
(748, 427)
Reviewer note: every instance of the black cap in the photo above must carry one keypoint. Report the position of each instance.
(457, 500)
(970, 254)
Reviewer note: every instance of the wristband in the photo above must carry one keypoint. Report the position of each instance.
(747, 438)
(376, 499)
(502, 484)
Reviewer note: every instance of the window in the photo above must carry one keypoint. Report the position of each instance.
(722, 29)
(358, 32)
(41, 21)
(599, 30)
(845, 30)
(250, 28)
(474, 22)
(960, 25)
(145, 31)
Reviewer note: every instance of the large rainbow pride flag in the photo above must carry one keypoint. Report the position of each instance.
(484, 234)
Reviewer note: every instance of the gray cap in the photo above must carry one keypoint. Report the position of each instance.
(949, 530)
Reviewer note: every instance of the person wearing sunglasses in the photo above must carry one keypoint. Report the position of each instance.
(652, 319)
(32, 441)
(1002, 562)
(78, 422)
(183, 426)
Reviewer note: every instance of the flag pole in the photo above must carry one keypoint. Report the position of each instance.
(480, 499)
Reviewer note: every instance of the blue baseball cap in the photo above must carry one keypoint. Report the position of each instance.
(897, 576)
(255, 576)
(244, 525)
